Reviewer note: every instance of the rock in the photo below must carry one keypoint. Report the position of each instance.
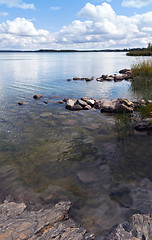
(77, 107)
(69, 79)
(104, 77)
(97, 104)
(21, 103)
(81, 102)
(88, 107)
(142, 101)
(89, 79)
(78, 78)
(86, 176)
(118, 78)
(144, 125)
(149, 101)
(65, 99)
(91, 102)
(60, 102)
(119, 105)
(109, 78)
(54, 223)
(85, 99)
(70, 103)
(37, 96)
(125, 71)
(139, 227)
(46, 114)
(99, 79)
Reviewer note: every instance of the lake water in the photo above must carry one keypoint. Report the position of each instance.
(48, 153)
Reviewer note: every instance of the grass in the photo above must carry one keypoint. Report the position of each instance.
(140, 53)
(142, 68)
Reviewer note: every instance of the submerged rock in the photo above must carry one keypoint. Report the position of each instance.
(54, 223)
(139, 227)
(21, 103)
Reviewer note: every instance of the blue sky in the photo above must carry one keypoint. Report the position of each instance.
(58, 24)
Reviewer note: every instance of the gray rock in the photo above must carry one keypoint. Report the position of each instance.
(81, 102)
(97, 104)
(77, 107)
(91, 102)
(88, 107)
(17, 223)
(139, 227)
(70, 103)
(119, 105)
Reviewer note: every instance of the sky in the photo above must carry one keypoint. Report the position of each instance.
(80, 24)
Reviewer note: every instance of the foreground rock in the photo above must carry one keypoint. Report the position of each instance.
(118, 105)
(79, 104)
(139, 227)
(144, 125)
(17, 223)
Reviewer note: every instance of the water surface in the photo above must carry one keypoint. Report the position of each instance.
(48, 154)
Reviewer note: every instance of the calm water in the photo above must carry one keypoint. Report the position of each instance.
(48, 154)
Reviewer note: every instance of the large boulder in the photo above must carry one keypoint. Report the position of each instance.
(139, 227)
(119, 105)
(54, 223)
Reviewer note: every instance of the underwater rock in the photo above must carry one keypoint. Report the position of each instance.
(139, 227)
(37, 96)
(86, 176)
(60, 102)
(54, 223)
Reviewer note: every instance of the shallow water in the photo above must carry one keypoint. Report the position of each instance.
(48, 154)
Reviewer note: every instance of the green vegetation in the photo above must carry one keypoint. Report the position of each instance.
(141, 52)
(142, 69)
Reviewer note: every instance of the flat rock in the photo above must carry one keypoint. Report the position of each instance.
(70, 103)
(54, 223)
(81, 102)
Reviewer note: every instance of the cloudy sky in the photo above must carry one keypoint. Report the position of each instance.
(58, 24)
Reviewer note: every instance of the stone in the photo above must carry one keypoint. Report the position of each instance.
(21, 103)
(88, 107)
(69, 79)
(85, 99)
(86, 176)
(60, 102)
(144, 125)
(118, 78)
(78, 78)
(77, 107)
(124, 71)
(97, 104)
(99, 79)
(104, 77)
(81, 102)
(70, 103)
(139, 227)
(53, 223)
(65, 99)
(109, 78)
(89, 79)
(119, 105)
(149, 101)
(37, 96)
(91, 102)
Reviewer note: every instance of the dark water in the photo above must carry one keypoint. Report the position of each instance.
(48, 154)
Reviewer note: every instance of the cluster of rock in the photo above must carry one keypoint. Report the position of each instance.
(81, 79)
(113, 106)
(17, 223)
(124, 74)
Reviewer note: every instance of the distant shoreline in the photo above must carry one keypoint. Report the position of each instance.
(62, 51)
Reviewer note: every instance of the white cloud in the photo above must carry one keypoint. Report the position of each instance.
(55, 8)
(101, 29)
(18, 4)
(136, 3)
(4, 14)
